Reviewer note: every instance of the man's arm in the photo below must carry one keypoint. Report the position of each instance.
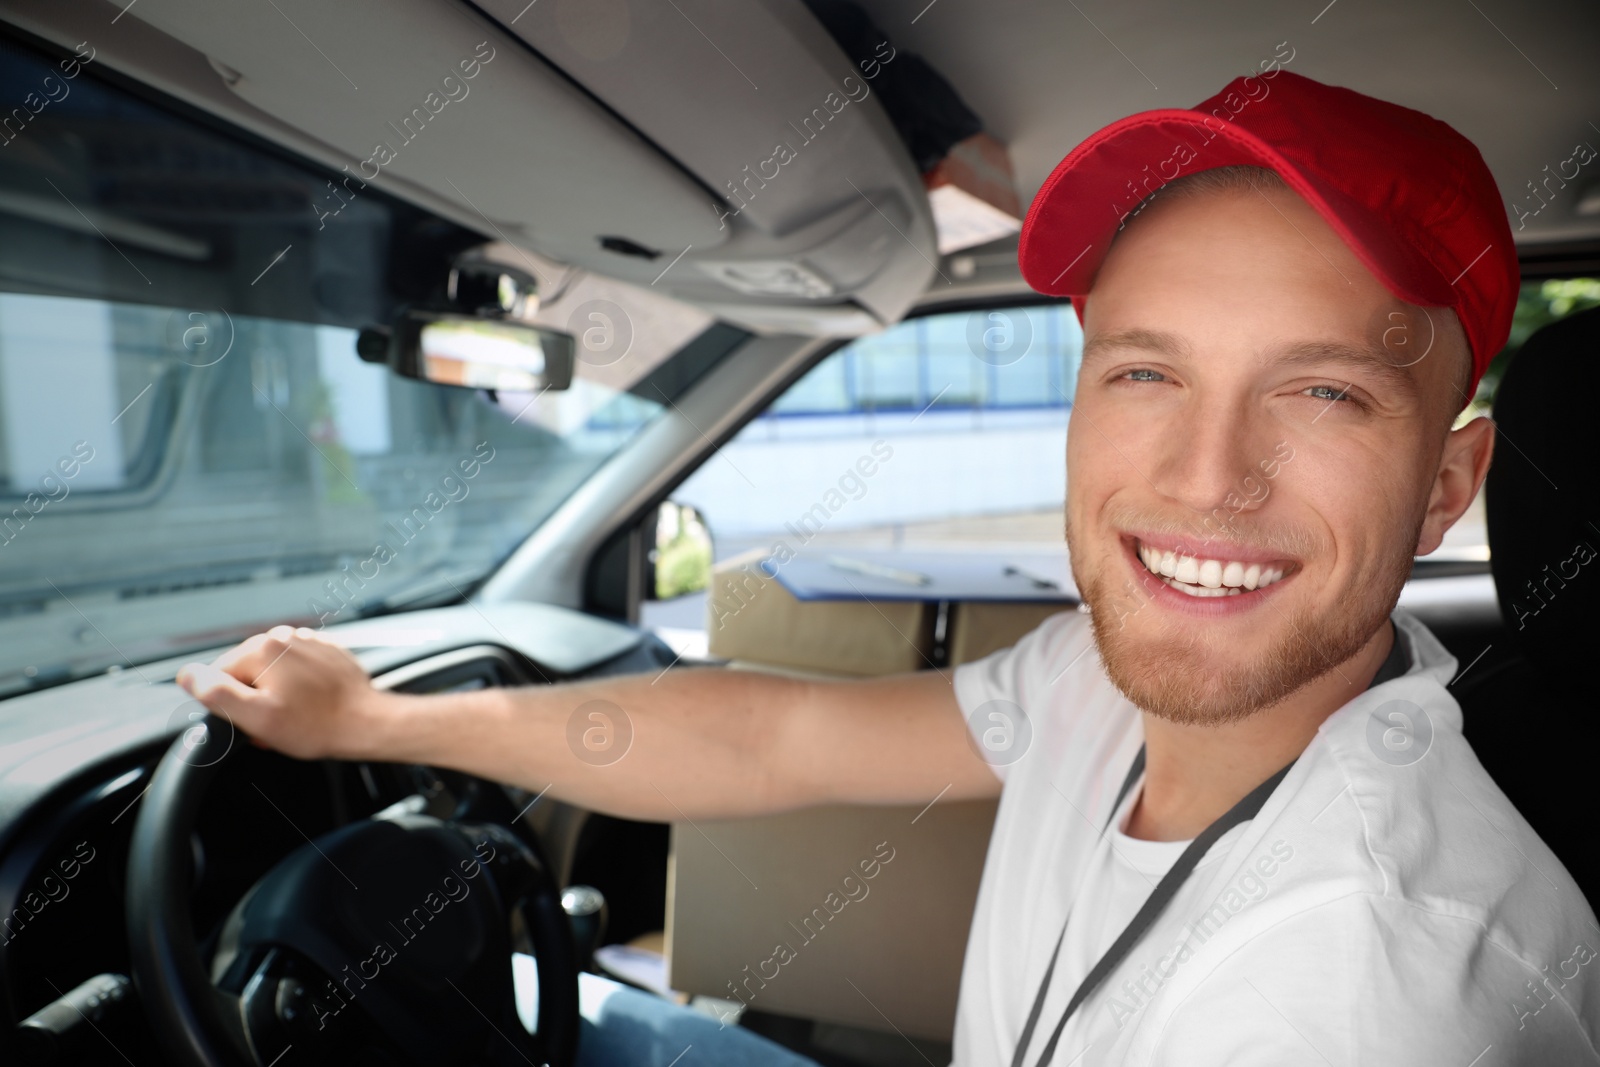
(706, 743)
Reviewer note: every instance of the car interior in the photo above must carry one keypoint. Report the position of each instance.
(510, 343)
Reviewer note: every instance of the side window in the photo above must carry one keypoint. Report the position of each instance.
(942, 432)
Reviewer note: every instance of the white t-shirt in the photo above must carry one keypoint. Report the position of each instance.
(1386, 906)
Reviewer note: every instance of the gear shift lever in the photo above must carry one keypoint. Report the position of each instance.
(586, 910)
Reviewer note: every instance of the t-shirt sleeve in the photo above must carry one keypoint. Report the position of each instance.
(994, 690)
(1367, 980)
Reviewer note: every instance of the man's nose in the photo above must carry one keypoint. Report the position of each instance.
(1206, 457)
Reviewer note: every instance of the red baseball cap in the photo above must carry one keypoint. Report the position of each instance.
(1409, 195)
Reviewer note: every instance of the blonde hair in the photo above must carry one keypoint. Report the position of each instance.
(1239, 178)
(1236, 179)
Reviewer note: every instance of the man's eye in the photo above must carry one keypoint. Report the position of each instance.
(1327, 392)
(1144, 374)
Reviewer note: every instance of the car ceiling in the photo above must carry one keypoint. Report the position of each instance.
(630, 117)
(1519, 78)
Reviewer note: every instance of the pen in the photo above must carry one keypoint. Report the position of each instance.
(876, 570)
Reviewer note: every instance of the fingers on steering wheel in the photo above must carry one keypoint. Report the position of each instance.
(222, 692)
(252, 658)
(328, 648)
(244, 648)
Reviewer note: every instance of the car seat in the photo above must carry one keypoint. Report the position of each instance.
(1526, 715)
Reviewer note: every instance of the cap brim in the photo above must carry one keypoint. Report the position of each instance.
(1084, 202)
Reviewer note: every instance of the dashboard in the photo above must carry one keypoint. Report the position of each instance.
(76, 759)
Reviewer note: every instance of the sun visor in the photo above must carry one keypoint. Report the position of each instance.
(419, 94)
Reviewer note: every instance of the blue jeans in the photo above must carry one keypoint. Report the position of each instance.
(625, 1027)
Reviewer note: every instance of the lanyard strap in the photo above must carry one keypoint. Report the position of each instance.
(1044, 986)
(1165, 890)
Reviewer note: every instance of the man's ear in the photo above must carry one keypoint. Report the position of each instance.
(1462, 467)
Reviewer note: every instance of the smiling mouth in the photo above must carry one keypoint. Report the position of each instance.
(1201, 576)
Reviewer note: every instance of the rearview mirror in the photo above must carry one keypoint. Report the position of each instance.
(484, 354)
(473, 353)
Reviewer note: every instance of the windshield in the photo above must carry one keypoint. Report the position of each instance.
(190, 448)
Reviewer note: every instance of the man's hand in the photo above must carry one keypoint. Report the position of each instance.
(291, 690)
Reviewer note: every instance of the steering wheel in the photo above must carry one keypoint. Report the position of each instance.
(387, 940)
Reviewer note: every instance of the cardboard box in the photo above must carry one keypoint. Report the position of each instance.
(751, 616)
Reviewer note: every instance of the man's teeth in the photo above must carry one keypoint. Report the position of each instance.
(1208, 577)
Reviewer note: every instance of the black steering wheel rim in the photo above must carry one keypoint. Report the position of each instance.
(192, 1019)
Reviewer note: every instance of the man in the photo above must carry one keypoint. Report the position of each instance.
(1248, 830)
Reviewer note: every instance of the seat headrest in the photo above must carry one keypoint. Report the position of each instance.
(1543, 498)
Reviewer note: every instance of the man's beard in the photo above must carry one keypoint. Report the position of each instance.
(1178, 678)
